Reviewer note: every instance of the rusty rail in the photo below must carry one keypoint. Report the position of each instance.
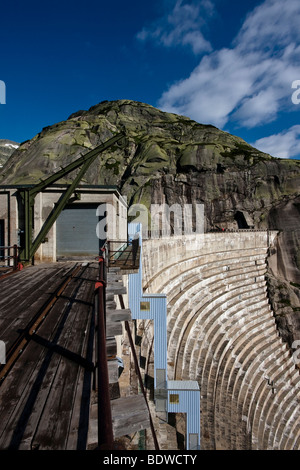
(105, 429)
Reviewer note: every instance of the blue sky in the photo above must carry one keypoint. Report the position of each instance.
(222, 62)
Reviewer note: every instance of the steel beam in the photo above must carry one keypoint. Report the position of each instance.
(92, 154)
(28, 196)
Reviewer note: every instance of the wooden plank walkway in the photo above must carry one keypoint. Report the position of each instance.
(45, 398)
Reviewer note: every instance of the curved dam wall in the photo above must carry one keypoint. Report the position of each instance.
(222, 333)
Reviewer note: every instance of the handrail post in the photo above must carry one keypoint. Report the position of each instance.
(105, 431)
(108, 251)
(8, 257)
(15, 256)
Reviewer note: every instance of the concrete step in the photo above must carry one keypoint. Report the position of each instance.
(129, 415)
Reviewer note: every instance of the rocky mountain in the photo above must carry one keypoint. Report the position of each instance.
(171, 159)
(164, 151)
(7, 147)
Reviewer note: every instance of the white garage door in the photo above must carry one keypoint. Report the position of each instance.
(76, 231)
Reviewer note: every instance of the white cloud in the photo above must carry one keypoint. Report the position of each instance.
(213, 89)
(285, 144)
(182, 26)
(273, 23)
(249, 83)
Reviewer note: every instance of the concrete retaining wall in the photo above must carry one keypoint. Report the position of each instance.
(222, 333)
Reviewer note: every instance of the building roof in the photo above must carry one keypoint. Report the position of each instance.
(183, 385)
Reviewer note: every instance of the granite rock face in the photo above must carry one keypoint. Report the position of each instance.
(285, 301)
(284, 268)
(167, 159)
(172, 159)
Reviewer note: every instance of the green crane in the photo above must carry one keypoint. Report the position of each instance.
(28, 195)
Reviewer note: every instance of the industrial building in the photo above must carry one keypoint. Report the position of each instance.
(90, 213)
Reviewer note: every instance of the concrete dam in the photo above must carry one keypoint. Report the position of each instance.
(204, 341)
(207, 339)
(221, 333)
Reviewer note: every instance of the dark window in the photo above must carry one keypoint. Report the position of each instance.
(240, 219)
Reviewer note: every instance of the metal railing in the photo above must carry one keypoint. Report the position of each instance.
(123, 254)
(5, 259)
(157, 234)
(105, 427)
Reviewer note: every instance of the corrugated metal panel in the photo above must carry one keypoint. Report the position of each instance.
(183, 385)
(158, 313)
(154, 308)
(149, 307)
(189, 402)
(182, 396)
(135, 293)
(76, 231)
(186, 401)
(135, 290)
